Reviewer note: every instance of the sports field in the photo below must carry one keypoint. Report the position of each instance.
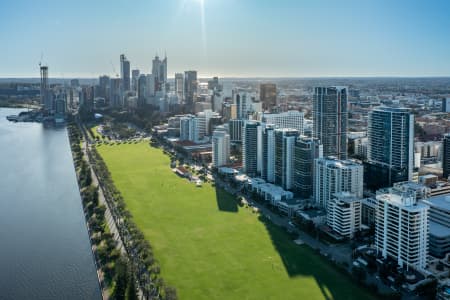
(210, 248)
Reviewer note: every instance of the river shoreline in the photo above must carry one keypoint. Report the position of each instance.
(104, 290)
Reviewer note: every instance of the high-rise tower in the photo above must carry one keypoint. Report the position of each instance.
(250, 143)
(190, 89)
(46, 99)
(220, 147)
(446, 156)
(125, 72)
(306, 151)
(179, 86)
(268, 95)
(390, 150)
(284, 157)
(330, 120)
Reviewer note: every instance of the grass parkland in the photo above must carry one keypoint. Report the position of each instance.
(208, 246)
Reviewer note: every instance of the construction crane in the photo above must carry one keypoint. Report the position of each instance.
(114, 69)
(40, 61)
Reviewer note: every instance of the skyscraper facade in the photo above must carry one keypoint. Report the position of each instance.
(46, 97)
(150, 88)
(284, 157)
(179, 86)
(390, 150)
(134, 79)
(125, 73)
(115, 95)
(446, 156)
(190, 89)
(306, 151)
(142, 90)
(250, 148)
(445, 105)
(268, 95)
(330, 120)
(235, 128)
(268, 153)
(159, 72)
(103, 83)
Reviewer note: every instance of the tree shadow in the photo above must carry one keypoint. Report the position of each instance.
(225, 201)
(304, 261)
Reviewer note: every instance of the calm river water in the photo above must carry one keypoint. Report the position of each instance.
(44, 245)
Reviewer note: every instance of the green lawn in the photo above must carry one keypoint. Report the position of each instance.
(208, 247)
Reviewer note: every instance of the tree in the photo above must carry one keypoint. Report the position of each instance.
(359, 274)
(121, 279)
(170, 293)
(428, 289)
(131, 290)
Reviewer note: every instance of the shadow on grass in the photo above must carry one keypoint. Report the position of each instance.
(225, 202)
(303, 261)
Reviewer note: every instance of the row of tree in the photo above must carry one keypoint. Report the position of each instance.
(115, 267)
(140, 253)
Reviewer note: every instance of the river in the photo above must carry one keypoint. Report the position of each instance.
(44, 244)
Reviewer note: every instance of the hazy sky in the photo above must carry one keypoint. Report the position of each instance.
(80, 38)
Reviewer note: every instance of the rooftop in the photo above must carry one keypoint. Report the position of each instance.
(333, 161)
(439, 230)
(346, 197)
(440, 201)
(392, 109)
(405, 200)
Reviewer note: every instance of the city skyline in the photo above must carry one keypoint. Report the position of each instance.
(227, 38)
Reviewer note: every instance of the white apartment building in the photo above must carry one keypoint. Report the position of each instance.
(194, 128)
(203, 119)
(220, 147)
(290, 119)
(188, 128)
(401, 228)
(344, 214)
(332, 176)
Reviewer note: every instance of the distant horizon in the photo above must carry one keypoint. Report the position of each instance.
(227, 38)
(250, 77)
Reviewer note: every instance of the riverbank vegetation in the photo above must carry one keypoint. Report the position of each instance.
(137, 269)
(18, 103)
(116, 277)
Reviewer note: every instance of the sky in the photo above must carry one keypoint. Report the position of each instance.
(227, 38)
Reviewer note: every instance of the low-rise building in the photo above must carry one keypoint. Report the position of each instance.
(289, 207)
(268, 191)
